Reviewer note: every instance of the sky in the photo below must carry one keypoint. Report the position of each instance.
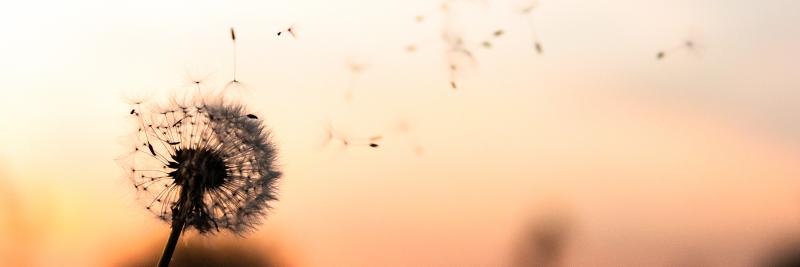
(689, 158)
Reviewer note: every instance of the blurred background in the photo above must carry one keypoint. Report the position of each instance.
(637, 133)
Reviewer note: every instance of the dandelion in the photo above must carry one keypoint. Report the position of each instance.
(203, 166)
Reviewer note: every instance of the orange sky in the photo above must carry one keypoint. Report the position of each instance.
(655, 161)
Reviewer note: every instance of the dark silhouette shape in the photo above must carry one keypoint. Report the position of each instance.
(542, 242)
(784, 254)
(227, 253)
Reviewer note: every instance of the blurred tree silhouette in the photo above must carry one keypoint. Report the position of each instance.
(785, 254)
(542, 242)
(197, 251)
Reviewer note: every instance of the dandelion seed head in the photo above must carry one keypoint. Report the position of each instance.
(205, 161)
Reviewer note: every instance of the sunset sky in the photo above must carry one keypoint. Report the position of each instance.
(693, 157)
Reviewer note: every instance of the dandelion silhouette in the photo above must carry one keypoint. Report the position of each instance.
(209, 167)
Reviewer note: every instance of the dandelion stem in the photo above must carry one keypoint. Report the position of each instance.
(177, 228)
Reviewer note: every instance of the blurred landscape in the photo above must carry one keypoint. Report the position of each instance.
(508, 133)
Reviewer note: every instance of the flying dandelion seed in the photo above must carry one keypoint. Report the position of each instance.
(332, 135)
(209, 167)
(291, 30)
(355, 69)
(403, 127)
(689, 45)
(456, 51)
(488, 42)
(527, 11)
(455, 55)
(234, 82)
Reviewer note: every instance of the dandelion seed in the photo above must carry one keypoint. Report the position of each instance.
(233, 82)
(538, 47)
(291, 30)
(527, 11)
(660, 55)
(196, 75)
(689, 45)
(355, 71)
(496, 34)
(333, 135)
(419, 150)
